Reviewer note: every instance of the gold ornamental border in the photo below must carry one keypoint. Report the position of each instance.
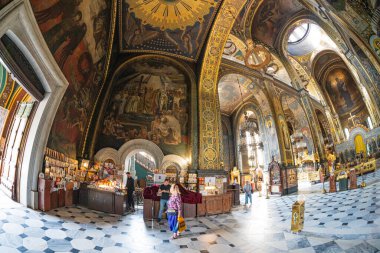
(209, 118)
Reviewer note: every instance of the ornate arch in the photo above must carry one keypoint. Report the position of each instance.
(132, 147)
(108, 153)
(176, 161)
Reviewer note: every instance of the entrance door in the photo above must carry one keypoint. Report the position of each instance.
(14, 147)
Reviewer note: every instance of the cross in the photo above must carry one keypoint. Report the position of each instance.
(352, 118)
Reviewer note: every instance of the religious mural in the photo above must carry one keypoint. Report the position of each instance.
(172, 27)
(270, 17)
(149, 101)
(77, 33)
(342, 90)
(296, 116)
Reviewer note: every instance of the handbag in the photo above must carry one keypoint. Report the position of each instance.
(181, 224)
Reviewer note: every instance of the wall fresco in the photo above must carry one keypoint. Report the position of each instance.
(77, 33)
(149, 101)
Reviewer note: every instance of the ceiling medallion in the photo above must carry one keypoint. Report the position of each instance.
(257, 57)
(170, 14)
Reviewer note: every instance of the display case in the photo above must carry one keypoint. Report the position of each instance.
(192, 182)
(275, 178)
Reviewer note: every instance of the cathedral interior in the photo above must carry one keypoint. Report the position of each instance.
(265, 113)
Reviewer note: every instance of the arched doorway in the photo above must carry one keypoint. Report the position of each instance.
(142, 166)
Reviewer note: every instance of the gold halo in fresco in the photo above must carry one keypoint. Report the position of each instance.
(170, 14)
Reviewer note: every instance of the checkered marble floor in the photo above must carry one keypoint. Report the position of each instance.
(346, 221)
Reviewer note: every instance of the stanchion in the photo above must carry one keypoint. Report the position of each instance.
(267, 186)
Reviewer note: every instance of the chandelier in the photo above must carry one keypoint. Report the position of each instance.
(250, 126)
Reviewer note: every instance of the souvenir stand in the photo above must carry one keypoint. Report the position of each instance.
(102, 188)
(215, 197)
(58, 181)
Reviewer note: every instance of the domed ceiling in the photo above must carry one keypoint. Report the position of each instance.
(171, 27)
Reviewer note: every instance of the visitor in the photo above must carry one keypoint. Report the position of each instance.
(130, 190)
(174, 210)
(247, 189)
(164, 192)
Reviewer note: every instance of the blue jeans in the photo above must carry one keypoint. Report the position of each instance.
(248, 196)
(163, 203)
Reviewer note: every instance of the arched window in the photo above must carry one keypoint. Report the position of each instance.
(347, 133)
(369, 121)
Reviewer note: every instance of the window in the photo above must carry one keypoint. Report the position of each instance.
(347, 133)
(369, 121)
(299, 33)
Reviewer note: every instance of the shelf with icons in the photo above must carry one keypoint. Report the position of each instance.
(59, 168)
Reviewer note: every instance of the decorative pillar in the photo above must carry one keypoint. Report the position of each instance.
(335, 126)
(313, 123)
(210, 143)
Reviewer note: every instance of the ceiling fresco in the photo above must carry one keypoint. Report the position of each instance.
(78, 34)
(270, 18)
(169, 27)
(229, 93)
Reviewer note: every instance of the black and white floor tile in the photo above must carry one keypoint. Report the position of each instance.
(347, 221)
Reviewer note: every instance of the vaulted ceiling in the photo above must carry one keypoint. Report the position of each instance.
(168, 27)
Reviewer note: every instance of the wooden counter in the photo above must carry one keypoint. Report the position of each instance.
(104, 201)
(215, 204)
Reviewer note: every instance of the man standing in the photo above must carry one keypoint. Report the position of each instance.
(164, 192)
(130, 190)
(247, 189)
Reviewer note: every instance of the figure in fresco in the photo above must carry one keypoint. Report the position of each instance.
(61, 7)
(63, 31)
(344, 92)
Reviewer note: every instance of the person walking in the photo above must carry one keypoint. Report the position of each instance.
(164, 191)
(174, 210)
(247, 189)
(130, 190)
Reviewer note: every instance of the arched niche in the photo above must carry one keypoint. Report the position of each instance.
(343, 94)
(152, 98)
(267, 132)
(108, 153)
(179, 164)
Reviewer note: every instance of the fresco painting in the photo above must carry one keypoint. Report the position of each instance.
(342, 90)
(296, 116)
(77, 33)
(150, 101)
(270, 17)
(172, 27)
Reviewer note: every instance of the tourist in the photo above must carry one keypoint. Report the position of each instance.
(164, 192)
(130, 190)
(247, 189)
(174, 210)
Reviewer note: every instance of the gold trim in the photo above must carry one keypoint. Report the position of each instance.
(210, 147)
(109, 53)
